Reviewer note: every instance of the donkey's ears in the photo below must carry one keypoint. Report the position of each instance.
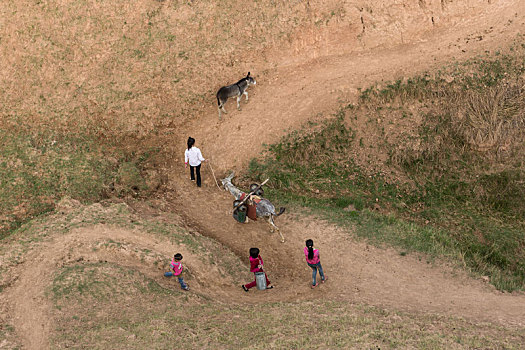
(248, 74)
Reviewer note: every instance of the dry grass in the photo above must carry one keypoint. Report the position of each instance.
(115, 79)
(488, 121)
(113, 68)
(493, 120)
(119, 297)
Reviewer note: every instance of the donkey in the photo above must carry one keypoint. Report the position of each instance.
(264, 208)
(237, 89)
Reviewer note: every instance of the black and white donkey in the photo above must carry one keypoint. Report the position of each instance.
(237, 89)
(263, 207)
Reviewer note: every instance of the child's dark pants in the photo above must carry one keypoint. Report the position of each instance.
(198, 170)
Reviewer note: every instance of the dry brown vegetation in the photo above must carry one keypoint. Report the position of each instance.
(96, 101)
(124, 76)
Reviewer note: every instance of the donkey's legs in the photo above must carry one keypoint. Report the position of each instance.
(246, 93)
(280, 234)
(233, 190)
(221, 105)
(221, 108)
(238, 102)
(274, 226)
(270, 223)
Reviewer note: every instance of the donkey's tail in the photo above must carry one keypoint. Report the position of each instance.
(281, 210)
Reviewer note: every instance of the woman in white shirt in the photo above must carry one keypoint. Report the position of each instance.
(194, 157)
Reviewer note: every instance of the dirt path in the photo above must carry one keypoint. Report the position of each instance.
(297, 89)
(300, 88)
(356, 272)
(31, 308)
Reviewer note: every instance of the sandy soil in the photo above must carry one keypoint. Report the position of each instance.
(312, 77)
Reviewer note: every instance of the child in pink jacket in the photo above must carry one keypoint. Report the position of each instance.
(313, 260)
(176, 266)
(256, 265)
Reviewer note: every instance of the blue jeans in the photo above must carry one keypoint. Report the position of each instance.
(182, 284)
(314, 271)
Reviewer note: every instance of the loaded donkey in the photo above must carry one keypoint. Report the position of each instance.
(252, 204)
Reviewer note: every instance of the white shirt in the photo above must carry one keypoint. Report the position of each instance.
(193, 155)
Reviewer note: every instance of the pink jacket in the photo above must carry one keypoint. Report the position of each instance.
(315, 259)
(176, 266)
(254, 264)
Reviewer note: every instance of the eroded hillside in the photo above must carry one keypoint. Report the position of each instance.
(97, 100)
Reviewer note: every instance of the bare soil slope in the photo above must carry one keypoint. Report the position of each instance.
(367, 42)
(312, 79)
(322, 70)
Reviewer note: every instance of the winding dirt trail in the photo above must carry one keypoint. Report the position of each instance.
(356, 272)
(298, 90)
(312, 80)
(307, 84)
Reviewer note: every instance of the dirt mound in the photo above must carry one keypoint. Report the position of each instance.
(101, 234)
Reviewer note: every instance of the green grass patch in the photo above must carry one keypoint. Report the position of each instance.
(35, 172)
(38, 169)
(100, 281)
(458, 178)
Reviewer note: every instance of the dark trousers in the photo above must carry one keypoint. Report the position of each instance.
(192, 174)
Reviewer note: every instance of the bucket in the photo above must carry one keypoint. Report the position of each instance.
(260, 280)
(168, 274)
